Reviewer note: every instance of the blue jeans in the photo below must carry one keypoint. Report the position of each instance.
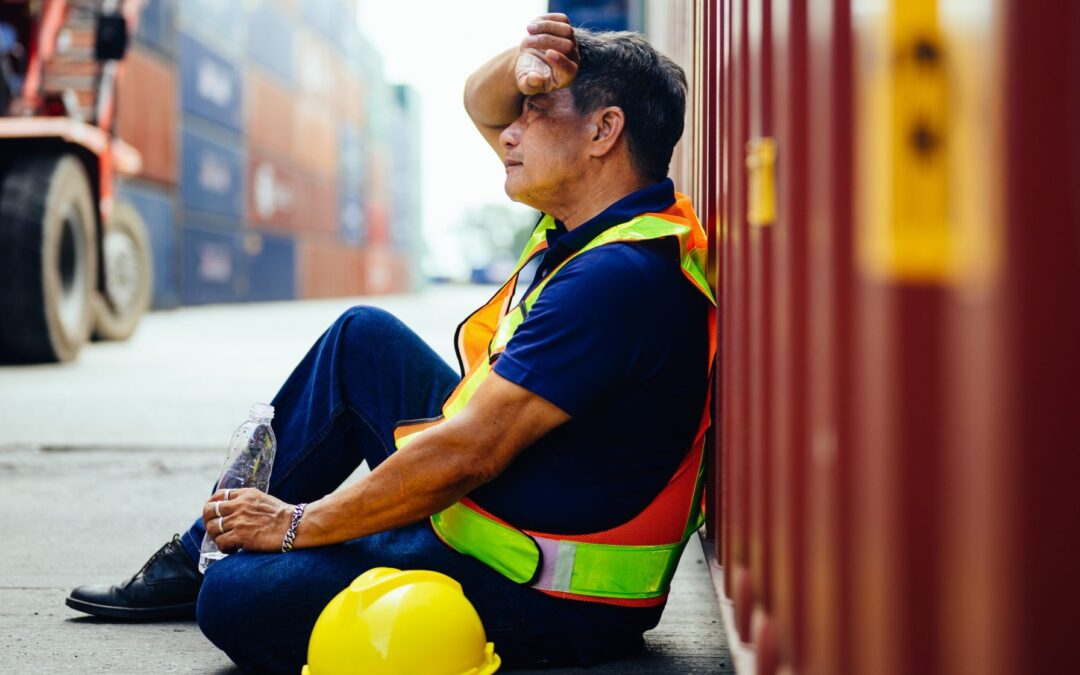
(338, 408)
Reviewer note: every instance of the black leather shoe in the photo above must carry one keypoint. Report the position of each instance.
(165, 588)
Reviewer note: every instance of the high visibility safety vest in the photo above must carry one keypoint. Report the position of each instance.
(631, 564)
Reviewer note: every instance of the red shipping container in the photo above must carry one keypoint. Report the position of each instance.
(146, 112)
(328, 269)
(385, 271)
(277, 196)
(271, 116)
(315, 139)
(316, 204)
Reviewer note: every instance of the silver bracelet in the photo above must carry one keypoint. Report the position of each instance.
(290, 534)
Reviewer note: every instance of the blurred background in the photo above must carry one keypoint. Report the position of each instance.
(892, 193)
(312, 149)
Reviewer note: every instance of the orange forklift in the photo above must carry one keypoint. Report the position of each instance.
(74, 262)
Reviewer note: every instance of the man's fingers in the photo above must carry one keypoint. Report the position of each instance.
(564, 68)
(557, 28)
(233, 493)
(553, 16)
(547, 42)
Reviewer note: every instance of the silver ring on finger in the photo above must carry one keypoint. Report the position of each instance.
(221, 524)
(227, 491)
(217, 509)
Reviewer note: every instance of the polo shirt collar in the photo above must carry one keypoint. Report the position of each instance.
(649, 199)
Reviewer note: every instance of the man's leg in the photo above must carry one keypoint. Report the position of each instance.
(340, 404)
(337, 408)
(260, 608)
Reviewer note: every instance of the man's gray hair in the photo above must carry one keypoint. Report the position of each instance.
(622, 69)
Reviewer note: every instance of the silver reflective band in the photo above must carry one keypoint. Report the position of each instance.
(217, 509)
(227, 491)
(221, 524)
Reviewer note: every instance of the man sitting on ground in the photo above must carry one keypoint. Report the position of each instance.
(557, 480)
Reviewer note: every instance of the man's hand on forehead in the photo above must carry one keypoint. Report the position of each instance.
(548, 57)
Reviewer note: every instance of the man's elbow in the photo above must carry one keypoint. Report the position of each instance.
(477, 470)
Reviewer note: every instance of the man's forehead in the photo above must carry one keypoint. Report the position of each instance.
(550, 98)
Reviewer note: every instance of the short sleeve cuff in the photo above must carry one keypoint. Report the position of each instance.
(513, 370)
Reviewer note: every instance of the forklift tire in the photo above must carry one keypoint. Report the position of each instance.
(48, 259)
(129, 275)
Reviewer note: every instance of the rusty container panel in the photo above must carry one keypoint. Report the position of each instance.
(385, 271)
(759, 158)
(896, 369)
(275, 193)
(328, 269)
(270, 113)
(789, 330)
(828, 453)
(316, 204)
(314, 139)
(736, 411)
(147, 112)
(1041, 294)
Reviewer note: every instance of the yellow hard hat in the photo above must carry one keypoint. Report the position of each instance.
(390, 622)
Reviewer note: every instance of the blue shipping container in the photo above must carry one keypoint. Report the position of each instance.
(157, 25)
(270, 267)
(325, 16)
(270, 41)
(212, 176)
(219, 21)
(158, 211)
(210, 85)
(352, 222)
(599, 15)
(352, 169)
(211, 267)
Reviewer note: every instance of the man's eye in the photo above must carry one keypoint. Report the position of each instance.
(529, 105)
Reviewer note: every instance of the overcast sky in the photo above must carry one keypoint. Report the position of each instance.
(434, 46)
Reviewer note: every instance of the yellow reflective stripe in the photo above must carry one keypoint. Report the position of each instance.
(580, 568)
(539, 234)
(468, 388)
(641, 228)
(507, 327)
(698, 275)
(468, 532)
(621, 571)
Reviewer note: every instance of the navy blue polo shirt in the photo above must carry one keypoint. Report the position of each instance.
(618, 340)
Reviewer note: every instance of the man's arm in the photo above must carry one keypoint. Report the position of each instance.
(437, 468)
(547, 59)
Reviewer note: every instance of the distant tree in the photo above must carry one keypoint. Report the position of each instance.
(492, 232)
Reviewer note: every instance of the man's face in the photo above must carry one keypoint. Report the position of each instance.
(545, 150)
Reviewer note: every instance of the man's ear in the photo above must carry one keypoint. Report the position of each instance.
(608, 124)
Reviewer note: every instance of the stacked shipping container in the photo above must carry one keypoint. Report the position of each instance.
(278, 163)
(892, 189)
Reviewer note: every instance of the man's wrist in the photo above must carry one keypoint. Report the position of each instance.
(287, 543)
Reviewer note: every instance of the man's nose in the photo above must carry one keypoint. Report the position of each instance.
(511, 135)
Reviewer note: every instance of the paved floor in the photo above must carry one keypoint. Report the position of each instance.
(101, 460)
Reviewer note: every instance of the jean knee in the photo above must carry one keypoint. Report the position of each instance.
(366, 318)
(370, 327)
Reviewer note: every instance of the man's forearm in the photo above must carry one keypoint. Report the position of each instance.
(426, 476)
(492, 97)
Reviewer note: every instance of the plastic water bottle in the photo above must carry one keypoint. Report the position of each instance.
(248, 464)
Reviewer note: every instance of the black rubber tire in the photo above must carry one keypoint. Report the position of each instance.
(129, 275)
(48, 259)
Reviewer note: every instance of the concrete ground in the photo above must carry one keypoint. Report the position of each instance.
(101, 460)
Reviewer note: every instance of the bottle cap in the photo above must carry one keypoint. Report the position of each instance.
(261, 412)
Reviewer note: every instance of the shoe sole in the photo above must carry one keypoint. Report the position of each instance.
(167, 612)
